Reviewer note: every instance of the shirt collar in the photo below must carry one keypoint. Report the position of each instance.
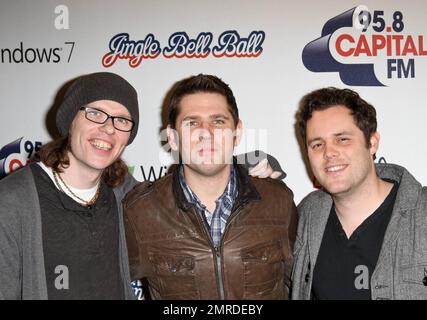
(230, 190)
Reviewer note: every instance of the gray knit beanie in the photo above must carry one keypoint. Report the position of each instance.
(93, 87)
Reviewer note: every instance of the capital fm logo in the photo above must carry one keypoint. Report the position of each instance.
(180, 45)
(366, 47)
(16, 155)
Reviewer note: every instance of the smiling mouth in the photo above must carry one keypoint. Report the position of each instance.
(337, 168)
(102, 145)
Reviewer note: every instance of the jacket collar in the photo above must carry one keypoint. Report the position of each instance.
(409, 187)
(406, 201)
(317, 220)
(246, 190)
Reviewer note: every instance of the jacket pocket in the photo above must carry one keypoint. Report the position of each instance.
(263, 270)
(416, 274)
(414, 282)
(175, 276)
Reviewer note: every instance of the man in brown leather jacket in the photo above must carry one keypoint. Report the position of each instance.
(209, 230)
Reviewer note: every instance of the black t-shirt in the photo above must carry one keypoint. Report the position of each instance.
(344, 265)
(80, 244)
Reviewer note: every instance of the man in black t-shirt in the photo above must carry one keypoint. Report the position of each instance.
(363, 236)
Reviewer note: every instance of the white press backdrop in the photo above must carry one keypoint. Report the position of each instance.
(45, 43)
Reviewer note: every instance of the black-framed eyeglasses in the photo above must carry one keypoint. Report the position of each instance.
(99, 116)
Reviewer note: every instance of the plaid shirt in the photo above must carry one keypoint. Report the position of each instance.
(224, 204)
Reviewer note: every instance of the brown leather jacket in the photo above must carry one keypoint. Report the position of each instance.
(169, 242)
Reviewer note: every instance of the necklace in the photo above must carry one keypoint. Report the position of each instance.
(89, 203)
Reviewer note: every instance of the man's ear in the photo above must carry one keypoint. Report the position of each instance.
(172, 138)
(375, 142)
(239, 133)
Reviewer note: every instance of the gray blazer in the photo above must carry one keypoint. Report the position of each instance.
(22, 272)
(401, 269)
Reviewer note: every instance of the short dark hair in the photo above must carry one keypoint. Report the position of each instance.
(196, 84)
(364, 114)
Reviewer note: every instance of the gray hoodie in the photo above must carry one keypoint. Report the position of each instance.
(22, 272)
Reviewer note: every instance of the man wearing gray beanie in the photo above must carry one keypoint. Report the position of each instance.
(65, 239)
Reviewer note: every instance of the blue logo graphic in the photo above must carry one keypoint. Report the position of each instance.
(317, 57)
(138, 289)
(16, 155)
(11, 148)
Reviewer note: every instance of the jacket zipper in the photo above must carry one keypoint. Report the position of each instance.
(218, 250)
(219, 278)
(216, 255)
